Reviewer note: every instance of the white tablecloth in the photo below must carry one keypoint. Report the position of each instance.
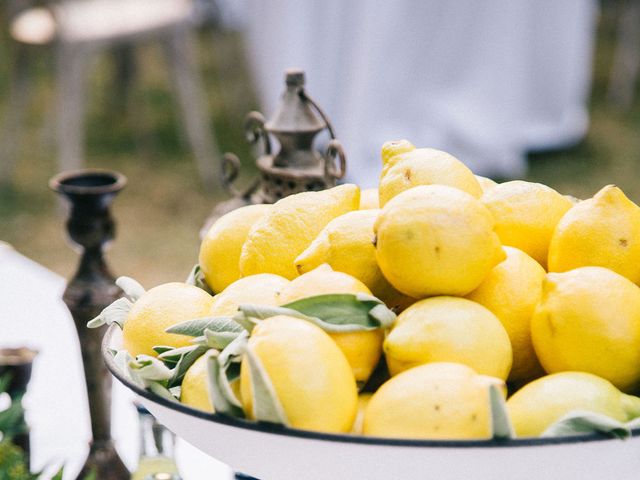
(485, 80)
(33, 314)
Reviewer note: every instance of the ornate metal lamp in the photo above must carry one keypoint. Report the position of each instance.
(90, 226)
(297, 166)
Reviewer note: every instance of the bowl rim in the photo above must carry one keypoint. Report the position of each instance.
(276, 429)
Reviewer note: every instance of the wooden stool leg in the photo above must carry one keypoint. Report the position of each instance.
(192, 102)
(70, 106)
(626, 59)
(13, 121)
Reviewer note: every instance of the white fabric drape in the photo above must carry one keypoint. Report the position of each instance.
(485, 80)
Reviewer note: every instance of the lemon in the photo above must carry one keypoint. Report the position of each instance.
(220, 248)
(363, 402)
(346, 244)
(602, 231)
(369, 199)
(393, 148)
(539, 404)
(436, 240)
(424, 166)
(589, 320)
(362, 348)
(511, 291)
(260, 289)
(158, 309)
(195, 386)
(526, 214)
(280, 236)
(485, 183)
(434, 401)
(449, 329)
(310, 375)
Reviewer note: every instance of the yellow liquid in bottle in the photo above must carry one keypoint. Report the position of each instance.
(151, 465)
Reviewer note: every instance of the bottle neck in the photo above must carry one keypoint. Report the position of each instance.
(155, 439)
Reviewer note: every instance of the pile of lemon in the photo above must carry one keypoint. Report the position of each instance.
(494, 285)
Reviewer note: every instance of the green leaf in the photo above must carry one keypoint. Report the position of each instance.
(131, 288)
(186, 360)
(219, 340)
(266, 404)
(501, 427)
(12, 420)
(150, 368)
(196, 278)
(161, 391)
(116, 313)
(579, 422)
(217, 390)
(333, 313)
(160, 349)
(196, 327)
(346, 310)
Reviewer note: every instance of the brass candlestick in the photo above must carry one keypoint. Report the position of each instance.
(297, 166)
(90, 226)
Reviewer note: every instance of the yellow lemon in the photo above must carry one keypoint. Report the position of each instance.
(394, 148)
(260, 289)
(485, 183)
(434, 401)
(449, 329)
(539, 404)
(358, 424)
(425, 166)
(158, 309)
(369, 199)
(511, 291)
(220, 248)
(280, 236)
(436, 240)
(602, 231)
(346, 244)
(526, 214)
(310, 375)
(361, 348)
(589, 320)
(195, 386)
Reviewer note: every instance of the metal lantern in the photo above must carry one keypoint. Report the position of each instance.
(297, 166)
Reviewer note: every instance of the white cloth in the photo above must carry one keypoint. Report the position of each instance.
(32, 314)
(486, 81)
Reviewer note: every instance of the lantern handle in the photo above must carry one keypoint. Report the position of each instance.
(254, 131)
(230, 169)
(334, 149)
(305, 96)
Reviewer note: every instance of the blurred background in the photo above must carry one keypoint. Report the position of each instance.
(535, 91)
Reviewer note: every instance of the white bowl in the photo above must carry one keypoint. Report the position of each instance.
(270, 451)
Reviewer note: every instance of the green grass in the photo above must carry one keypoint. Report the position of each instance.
(163, 207)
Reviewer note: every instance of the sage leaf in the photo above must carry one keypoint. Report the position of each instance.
(346, 310)
(501, 427)
(579, 422)
(160, 349)
(235, 350)
(149, 369)
(197, 326)
(196, 278)
(219, 340)
(216, 376)
(185, 361)
(162, 391)
(116, 313)
(131, 288)
(266, 404)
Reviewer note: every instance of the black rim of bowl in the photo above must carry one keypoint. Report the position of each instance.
(275, 429)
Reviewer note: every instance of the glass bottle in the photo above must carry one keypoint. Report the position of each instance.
(156, 449)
